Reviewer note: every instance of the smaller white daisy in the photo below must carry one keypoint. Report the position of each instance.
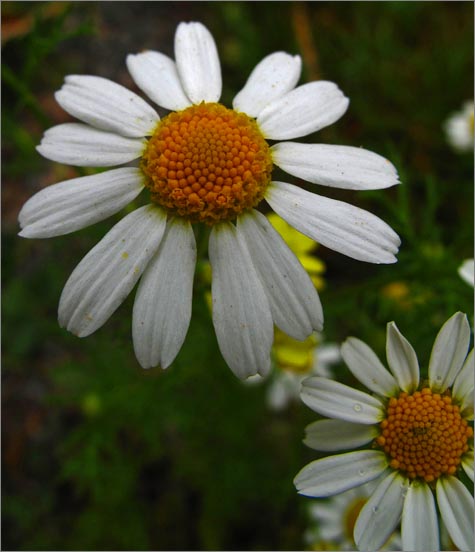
(459, 128)
(418, 434)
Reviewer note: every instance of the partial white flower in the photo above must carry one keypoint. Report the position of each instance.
(333, 521)
(459, 128)
(466, 272)
(417, 436)
(295, 361)
(204, 163)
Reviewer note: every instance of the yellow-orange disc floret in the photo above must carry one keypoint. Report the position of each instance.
(207, 163)
(424, 434)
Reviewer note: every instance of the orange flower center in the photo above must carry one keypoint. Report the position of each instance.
(424, 434)
(207, 163)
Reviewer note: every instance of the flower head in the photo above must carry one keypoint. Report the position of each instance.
(203, 163)
(419, 434)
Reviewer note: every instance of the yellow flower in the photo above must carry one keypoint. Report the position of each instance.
(292, 355)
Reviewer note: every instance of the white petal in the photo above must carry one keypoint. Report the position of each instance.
(157, 76)
(338, 473)
(366, 366)
(463, 387)
(335, 224)
(456, 507)
(162, 308)
(420, 528)
(336, 400)
(107, 274)
(275, 75)
(303, 110)
(107, 105)
(68, 206)
(241, 314)
(337, 166)
(86, 146)
(449, 352)
(330, 435)
(197, 62)
(402, 359)
(380, 515)
(467, 463)
(293, 299)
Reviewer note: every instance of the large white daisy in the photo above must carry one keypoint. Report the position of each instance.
(419, 435)
(203, 163)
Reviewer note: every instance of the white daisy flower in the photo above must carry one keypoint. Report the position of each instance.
(459, 128)
(333, 520)
(204, 163)
(418, 433)
(466, 271)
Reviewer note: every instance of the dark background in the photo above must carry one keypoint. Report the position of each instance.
(99, 454)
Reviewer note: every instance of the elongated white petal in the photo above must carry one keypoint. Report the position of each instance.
(456, 506)
(338, 473)
(337, 166)
(107, 274)
(293, 299)
(86, 146)
(380, 515)
(156, 75)
(467, 463)
(274, 76)
(330, 435)
(335, 224)
(449, 352)
(107, 105)
(336, 400)
(303, 110)
(402, 359)
(68, 206)
(241, 314)
(463, 388)
(420, 529)
(366, 366)
(197, 62)
(162, 308)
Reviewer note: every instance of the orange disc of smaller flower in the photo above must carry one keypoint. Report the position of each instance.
(424, 434)
(207, 163)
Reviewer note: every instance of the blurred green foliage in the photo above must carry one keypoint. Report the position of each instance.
(99, 454)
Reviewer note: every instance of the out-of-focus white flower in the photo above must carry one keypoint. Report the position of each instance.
(295, 361)
(333, 521)
(466, 271)
(459, 128)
